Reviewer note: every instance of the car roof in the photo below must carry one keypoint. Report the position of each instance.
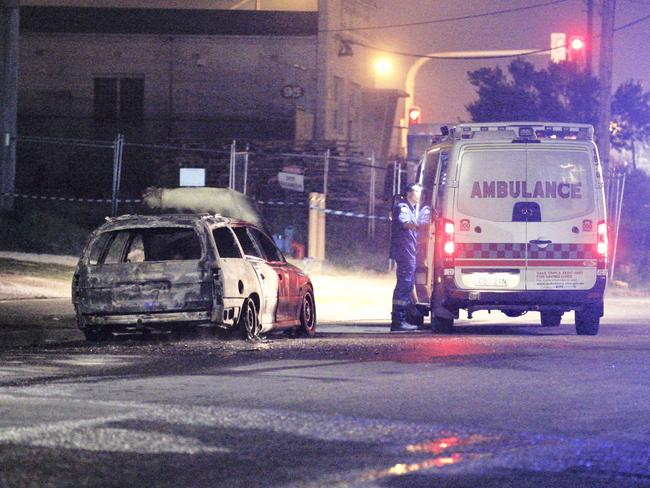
(161, 220)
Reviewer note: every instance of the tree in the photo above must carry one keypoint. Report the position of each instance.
(631, 111)
(560, 93)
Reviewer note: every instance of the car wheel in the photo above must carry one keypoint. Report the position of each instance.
(441, 325)
(95, 335)
(587, 322)
(249, 322)
(308, 316)
(551, 318)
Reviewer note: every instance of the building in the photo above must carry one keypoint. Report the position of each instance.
(200, 73)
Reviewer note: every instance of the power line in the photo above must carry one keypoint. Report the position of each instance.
(634, 22)
(448, 19)
(465, 58)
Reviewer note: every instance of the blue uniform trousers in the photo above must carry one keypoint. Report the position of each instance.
(402, 295)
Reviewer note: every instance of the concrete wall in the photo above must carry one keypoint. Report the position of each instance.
(185, 77)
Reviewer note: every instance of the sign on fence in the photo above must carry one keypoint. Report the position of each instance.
(292, 178)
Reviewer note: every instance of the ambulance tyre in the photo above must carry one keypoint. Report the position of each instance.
(441, 325)
(587, 322)
(551, 318)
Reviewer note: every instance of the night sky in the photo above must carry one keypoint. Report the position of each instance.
(442, 89)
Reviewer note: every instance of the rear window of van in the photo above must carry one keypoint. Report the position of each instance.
(492, 181)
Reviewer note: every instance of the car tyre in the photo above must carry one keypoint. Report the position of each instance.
(95, 335)
(249, 322)
(551, 318)
(307, 316)
(587, 322)
(440, 325)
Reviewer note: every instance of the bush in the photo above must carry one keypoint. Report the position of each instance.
(41, 232)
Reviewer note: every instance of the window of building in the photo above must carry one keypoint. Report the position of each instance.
(339, 104)
(119, 98)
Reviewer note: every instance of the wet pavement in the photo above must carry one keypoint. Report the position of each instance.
(501, 402)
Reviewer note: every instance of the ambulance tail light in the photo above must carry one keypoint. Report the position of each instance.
(449, 246)
(602, 242)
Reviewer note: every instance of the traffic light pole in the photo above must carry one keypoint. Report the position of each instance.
(9, 20)
(605, 76)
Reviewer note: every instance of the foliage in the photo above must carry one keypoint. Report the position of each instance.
(43, 233)
(631, 111)
(560, 93)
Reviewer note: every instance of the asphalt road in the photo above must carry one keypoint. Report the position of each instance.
(502, 402)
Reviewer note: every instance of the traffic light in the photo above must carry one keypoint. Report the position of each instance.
(576, 49)
(414, 115)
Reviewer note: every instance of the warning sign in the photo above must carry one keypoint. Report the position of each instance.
(551, 279)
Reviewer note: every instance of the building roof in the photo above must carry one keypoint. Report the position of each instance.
(167, 21)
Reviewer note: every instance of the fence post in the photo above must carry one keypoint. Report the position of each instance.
(321, 226)
(233, 162)
(619, 208)
(326, 170)
(312, 229)
(117, 172)
(246, 168)
(371, 198)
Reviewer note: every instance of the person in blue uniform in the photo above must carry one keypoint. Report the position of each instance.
(403, 241)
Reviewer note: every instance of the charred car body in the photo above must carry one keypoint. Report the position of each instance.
(151, 273)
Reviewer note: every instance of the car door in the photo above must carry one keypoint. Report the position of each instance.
(490, 237)
(286, 280)
(148, 270)
(268, 278)
(238, 279)
(562, 239)
(428, 178)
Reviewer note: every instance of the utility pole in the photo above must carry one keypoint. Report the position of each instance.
(9, 20)
(590, 35)
(605, 75)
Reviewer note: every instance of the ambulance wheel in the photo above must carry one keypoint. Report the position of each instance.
(551, 318)
(441, 325)
(587, 322)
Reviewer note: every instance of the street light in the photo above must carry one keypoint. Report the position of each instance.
(383, 66)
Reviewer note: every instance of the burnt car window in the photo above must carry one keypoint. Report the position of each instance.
(97, 248)
(135, 253)
(247, 244)
(226, 244)
(170, 244)
(116, 248)
(271, 252)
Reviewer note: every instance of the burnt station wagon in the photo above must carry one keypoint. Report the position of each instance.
(156, 273)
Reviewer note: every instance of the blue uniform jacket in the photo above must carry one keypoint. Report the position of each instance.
(403, 240)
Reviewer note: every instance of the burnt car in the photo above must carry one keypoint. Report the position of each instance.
(159, 273)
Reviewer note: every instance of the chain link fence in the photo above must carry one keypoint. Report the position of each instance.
(83, 181)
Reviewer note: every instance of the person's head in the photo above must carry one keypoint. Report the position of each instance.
(413, 192)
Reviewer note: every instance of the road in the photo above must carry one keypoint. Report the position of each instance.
(501, 402)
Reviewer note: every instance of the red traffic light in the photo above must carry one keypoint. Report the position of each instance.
(576, 49)
(577, 43)
(414, 115)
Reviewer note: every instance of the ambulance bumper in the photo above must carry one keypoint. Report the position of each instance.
(564, 300)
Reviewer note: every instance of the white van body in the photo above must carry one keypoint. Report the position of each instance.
(518, 224)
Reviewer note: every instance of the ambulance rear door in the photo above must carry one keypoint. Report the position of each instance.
(490, 246)
(562, 232)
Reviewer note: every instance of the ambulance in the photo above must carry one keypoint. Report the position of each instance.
(517, 224)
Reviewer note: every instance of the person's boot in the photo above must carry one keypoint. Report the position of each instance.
(403, 327)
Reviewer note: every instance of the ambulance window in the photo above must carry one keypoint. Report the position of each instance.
(442, 179)
(561, 183)
(427, 176)
(490, 183)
